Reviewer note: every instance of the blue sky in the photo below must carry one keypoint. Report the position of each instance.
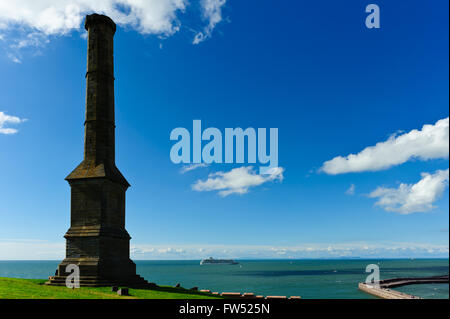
(313, 70)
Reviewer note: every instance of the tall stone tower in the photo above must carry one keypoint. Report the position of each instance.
(97, 241)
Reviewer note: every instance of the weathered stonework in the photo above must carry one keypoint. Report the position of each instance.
(97, 240)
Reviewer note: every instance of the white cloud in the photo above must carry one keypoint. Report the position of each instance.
(34, 39)
(59, 17)
(8, 119)
(188, 168)
(212, 12)
(413, 198)
(431, 142)
(33, 22)
(351, 190)
(237, 181)
(14, 58)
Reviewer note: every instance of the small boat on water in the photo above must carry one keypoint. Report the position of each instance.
(212, 261)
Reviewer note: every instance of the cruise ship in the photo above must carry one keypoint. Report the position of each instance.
(212, 261)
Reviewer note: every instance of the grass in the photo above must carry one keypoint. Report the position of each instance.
(14, 288)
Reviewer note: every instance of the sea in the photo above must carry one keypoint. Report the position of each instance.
(310, 279)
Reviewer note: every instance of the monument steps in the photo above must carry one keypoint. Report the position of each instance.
(92, 281)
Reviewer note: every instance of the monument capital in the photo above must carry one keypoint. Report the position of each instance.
(99, 19)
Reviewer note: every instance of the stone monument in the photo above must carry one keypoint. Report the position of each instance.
(97, 241)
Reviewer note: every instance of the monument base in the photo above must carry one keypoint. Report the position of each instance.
(94, 273)
(136, 282)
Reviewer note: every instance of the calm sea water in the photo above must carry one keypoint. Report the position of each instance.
(306, 278)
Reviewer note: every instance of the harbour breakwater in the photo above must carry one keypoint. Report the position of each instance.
(384, 293)
(382, 289)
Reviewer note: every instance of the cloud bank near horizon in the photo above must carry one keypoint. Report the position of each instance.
(310, 250)
(26, 249)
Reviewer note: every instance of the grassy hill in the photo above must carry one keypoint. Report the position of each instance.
(14, 288)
